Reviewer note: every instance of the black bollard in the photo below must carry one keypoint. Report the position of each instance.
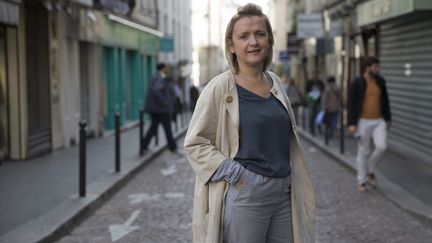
(141, 129)
(157, 136)
(117, 142)
(182, 116)
(342, 133)
(82, 159)
(326, 134)
(304, 110)
(326, 130)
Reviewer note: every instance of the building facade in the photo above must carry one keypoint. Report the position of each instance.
(62, 62)
(175, 21)
(397, 32)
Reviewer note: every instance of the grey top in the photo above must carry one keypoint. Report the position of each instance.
(265, 128)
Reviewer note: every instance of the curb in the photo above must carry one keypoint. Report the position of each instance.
(399, 196)
(62, 219)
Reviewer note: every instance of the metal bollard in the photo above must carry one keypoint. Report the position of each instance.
(117, 142)
(182, 116)
(82, 159)
(304, 110)
(342, 133)
(141, 129)
(157, 136)
(326, 132)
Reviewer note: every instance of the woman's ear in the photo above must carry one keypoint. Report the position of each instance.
(231, 47)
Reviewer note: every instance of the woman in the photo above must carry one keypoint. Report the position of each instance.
(242, 143)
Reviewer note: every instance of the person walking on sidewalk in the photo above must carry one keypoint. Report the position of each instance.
(243, 146)
(313, 90)
(369, 119)
(331, 105)
(294, 95)
(160, 106)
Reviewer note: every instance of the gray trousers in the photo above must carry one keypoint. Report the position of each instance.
(258, 210)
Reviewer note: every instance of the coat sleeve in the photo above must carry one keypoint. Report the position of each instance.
(200, 138)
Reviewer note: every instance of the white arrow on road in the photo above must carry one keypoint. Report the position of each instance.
(120, 230)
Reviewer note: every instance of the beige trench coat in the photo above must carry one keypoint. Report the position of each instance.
(212, 137)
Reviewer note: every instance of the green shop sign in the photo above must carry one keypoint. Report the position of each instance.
(130, 35)
(379, 10)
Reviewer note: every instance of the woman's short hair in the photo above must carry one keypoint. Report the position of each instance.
(247, 10)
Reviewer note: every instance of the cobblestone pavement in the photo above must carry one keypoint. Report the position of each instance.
(156, 207)
(348, 216)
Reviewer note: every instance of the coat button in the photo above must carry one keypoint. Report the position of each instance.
(228, 99)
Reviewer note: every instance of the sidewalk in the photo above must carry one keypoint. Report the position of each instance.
(408, 183)
(39, 197)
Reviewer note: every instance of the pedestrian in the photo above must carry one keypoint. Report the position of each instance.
(369, 119)
(294, 95)
(314, 90)
(243, 146)
(160, 106)
(331, 105)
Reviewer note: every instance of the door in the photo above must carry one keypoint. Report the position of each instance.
(38, 95)
(4, 114)
(85, 84)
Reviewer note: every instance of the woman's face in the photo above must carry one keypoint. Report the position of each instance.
(250, 41)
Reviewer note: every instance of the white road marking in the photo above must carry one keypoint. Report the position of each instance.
(169, 171)
(119, 230)
(313, 150)
(141, 197)
(174, 195)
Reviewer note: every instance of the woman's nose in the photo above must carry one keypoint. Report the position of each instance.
(253, 40)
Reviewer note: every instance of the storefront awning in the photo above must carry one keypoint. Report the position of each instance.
(379, 10)
(135, 25)
(121, 32)
(87, 3)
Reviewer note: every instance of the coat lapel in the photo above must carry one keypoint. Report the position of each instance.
(231, 101)
(277, 92)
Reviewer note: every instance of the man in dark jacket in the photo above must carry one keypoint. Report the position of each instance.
(369, 118)
(160, 106)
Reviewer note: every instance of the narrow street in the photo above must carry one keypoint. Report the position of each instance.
(156, 206)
